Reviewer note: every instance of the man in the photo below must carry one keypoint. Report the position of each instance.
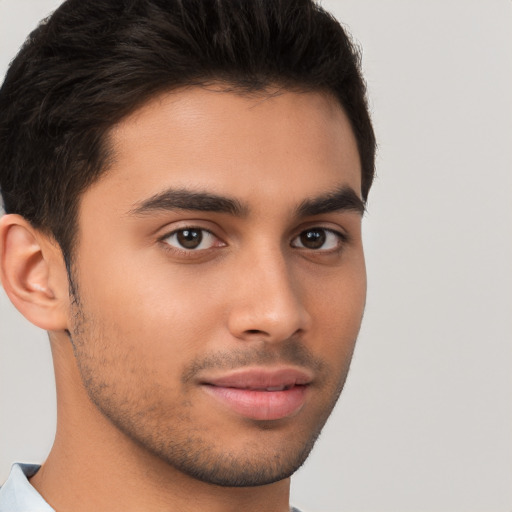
(184, 184)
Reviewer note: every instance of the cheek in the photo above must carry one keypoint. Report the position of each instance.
(150, 304)
(337, 308)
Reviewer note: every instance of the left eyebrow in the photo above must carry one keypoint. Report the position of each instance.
(342, 199)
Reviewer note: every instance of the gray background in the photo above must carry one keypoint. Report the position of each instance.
(425, 421)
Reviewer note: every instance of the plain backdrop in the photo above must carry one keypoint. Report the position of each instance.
(425, 420)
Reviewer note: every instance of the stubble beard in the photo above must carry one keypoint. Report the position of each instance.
(175, 439)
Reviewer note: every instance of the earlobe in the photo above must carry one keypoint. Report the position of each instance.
(33, 273)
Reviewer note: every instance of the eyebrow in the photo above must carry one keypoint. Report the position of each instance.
(342, 199)
(183, 199)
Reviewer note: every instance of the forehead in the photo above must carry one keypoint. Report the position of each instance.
(231, 143)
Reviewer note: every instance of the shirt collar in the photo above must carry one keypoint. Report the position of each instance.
(17, 495)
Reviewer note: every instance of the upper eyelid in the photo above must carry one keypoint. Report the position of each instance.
(189, 228)
(168, 232)
(342, 233)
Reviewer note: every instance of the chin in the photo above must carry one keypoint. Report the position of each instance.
(226, 469)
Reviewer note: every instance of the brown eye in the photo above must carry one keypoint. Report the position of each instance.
(319, 239)
(191, 239)
(313, 239)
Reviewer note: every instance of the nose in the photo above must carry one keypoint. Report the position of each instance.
(267, 300)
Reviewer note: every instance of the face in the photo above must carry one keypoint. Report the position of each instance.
(220, 280)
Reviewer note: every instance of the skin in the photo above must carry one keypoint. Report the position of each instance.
(152, 320)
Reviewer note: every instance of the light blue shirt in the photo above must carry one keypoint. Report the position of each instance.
(17, 495)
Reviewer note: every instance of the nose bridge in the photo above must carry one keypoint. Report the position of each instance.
(269, 301)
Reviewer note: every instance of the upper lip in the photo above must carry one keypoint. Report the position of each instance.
(261, 378)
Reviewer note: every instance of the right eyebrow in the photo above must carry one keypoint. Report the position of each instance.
(183, 199)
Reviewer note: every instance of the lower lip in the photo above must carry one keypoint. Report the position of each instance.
(260, 405)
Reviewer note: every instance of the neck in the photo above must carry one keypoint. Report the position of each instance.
(94, 466)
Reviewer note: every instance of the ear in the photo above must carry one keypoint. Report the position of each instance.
(33, 273)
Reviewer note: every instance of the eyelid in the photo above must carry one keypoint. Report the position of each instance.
(189, 223)
(189, 251)
(339, 233)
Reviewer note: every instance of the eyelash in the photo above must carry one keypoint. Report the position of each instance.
(188, 251)
(342, 240)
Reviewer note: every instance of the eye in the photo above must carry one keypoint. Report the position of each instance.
(318, 239)
(191, 239)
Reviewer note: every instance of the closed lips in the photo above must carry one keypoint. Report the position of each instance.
(261, 379)
(261, 394)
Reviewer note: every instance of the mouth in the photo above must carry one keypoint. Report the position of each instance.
(261, 394)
